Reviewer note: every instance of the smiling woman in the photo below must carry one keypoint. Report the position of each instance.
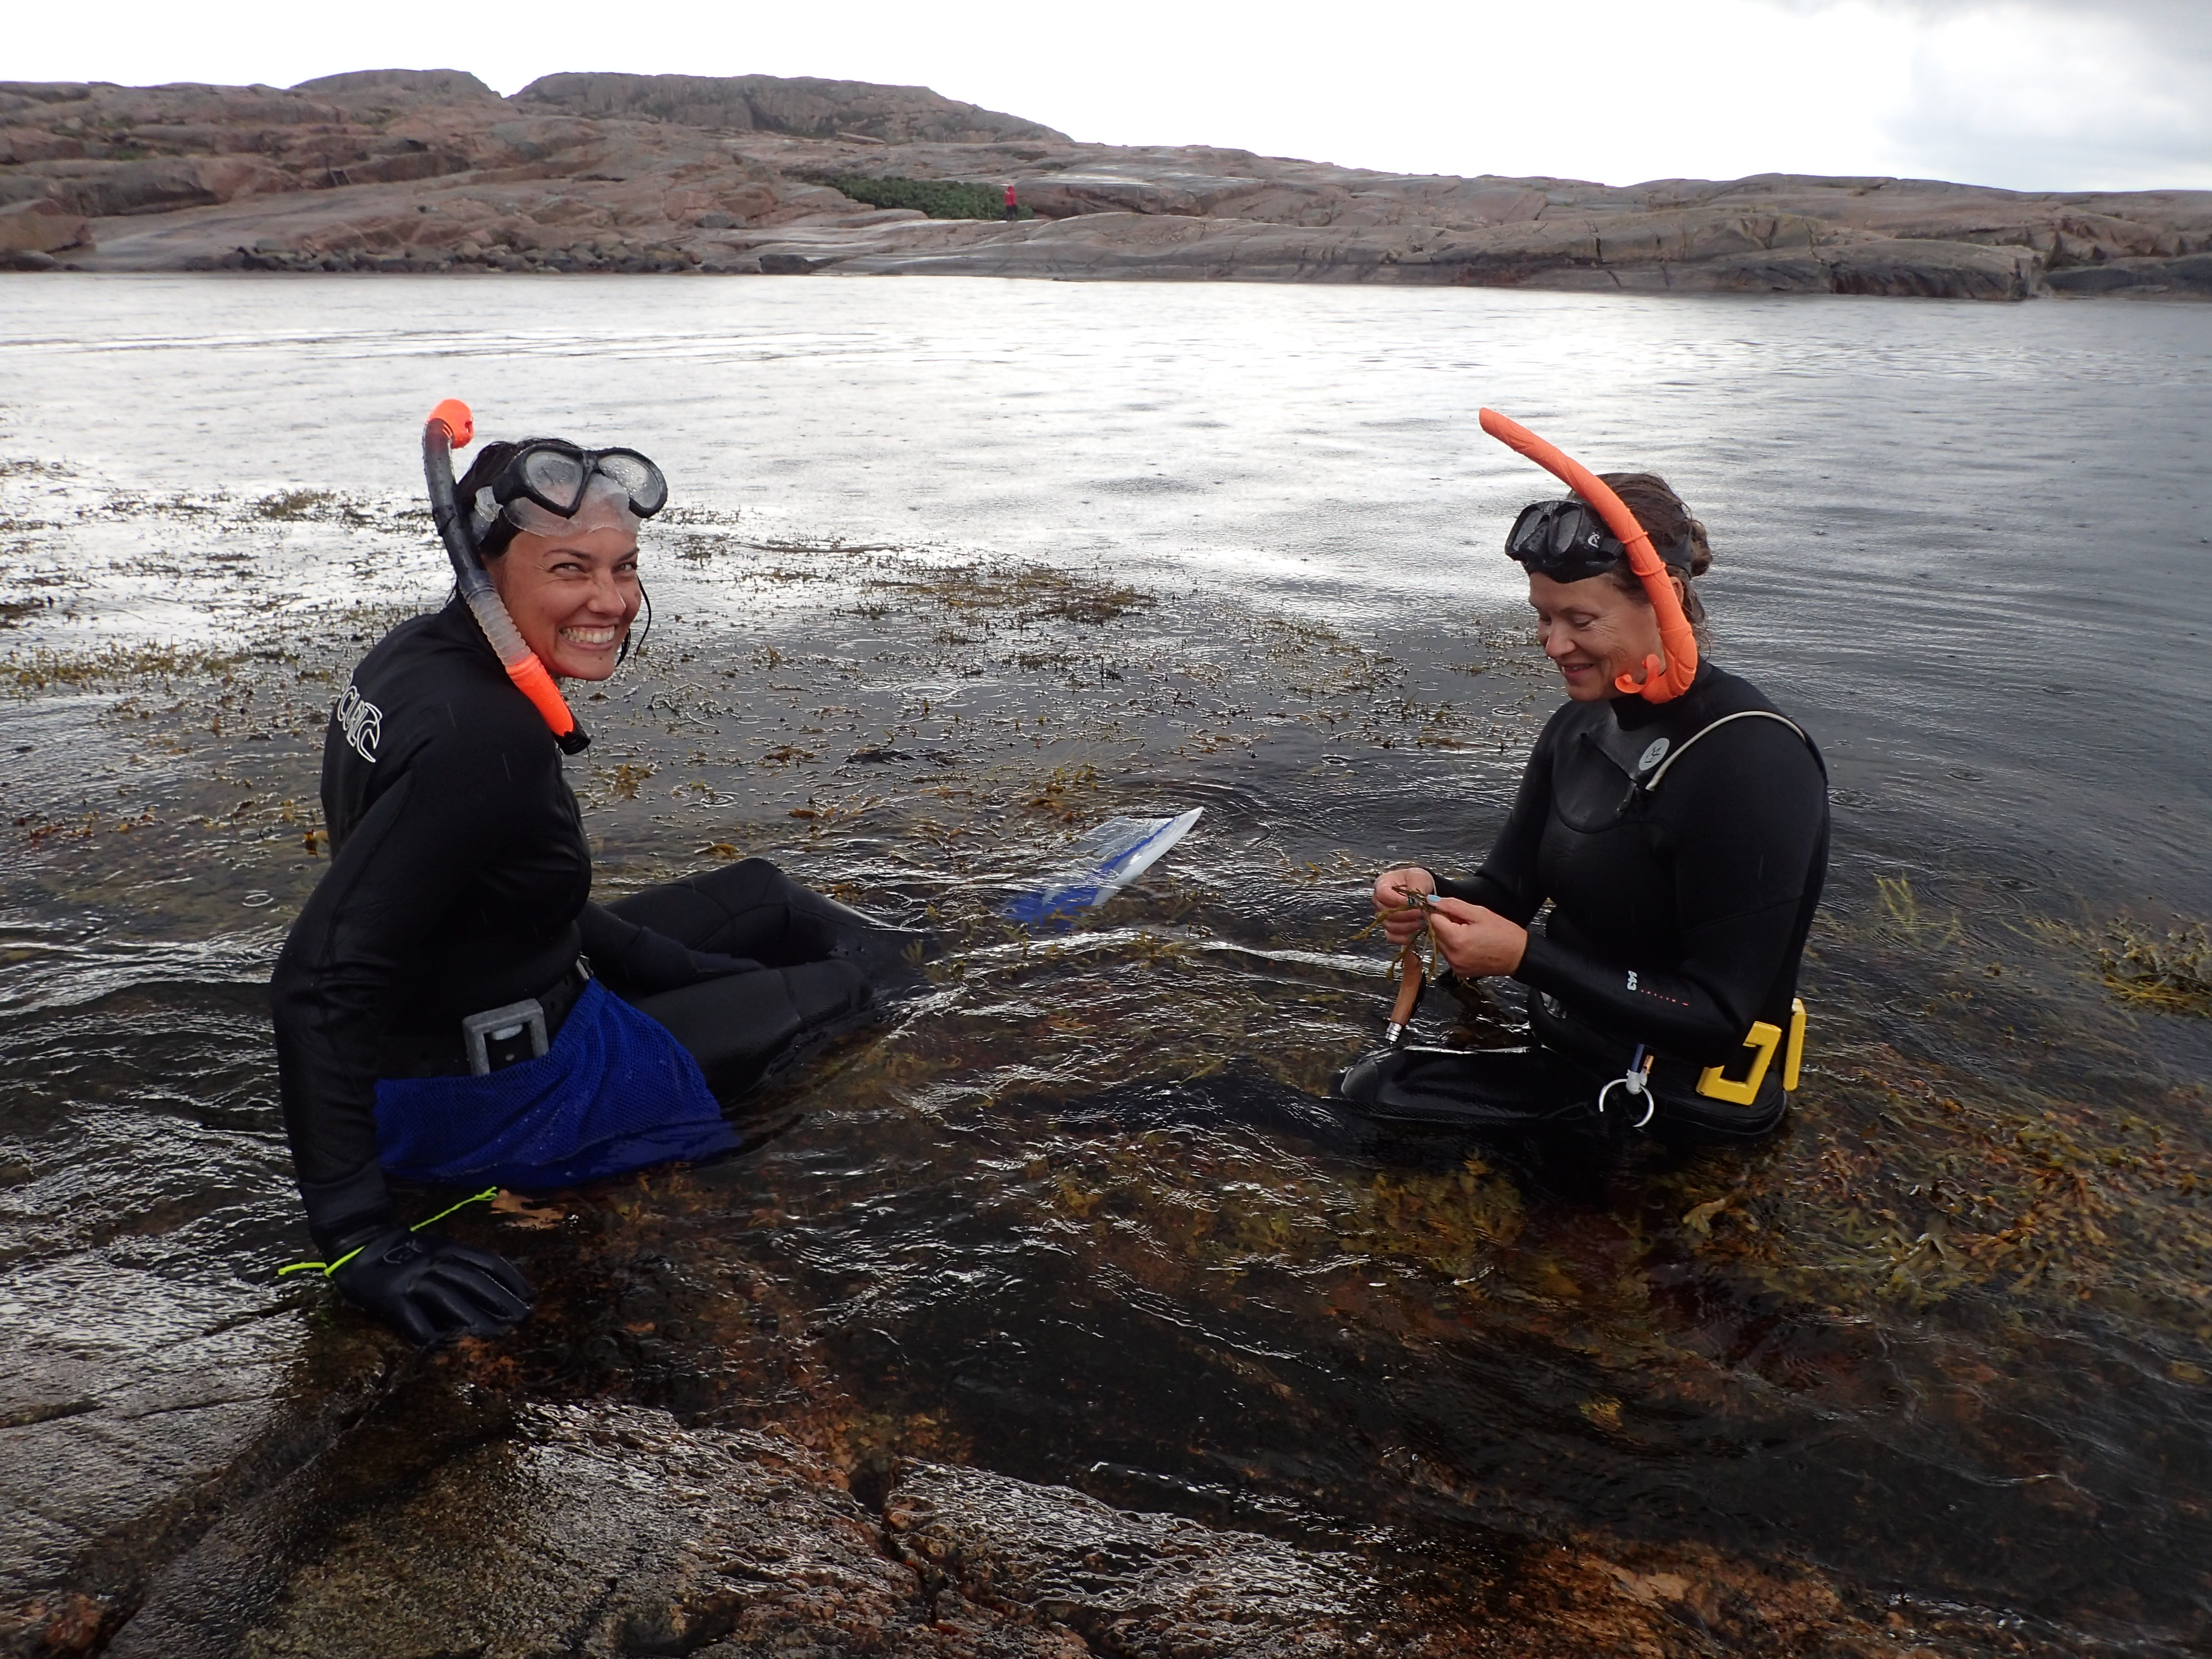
(1664, 981)
(569, 580)
(450, 1006)
(1597, 633)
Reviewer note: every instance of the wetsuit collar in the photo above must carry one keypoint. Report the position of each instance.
(460, 625)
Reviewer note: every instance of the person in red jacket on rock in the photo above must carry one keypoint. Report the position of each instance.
(1013, 207)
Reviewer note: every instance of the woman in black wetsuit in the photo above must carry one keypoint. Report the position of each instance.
(1681, 845)
(450, 1006)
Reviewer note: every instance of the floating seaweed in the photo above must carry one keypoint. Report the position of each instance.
(2170, 971)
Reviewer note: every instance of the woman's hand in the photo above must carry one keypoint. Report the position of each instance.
(1402, 922)
(1474, 940)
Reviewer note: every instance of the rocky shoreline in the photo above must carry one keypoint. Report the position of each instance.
(401, 171)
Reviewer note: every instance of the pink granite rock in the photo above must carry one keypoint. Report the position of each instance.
(39, 226)
(415, 169)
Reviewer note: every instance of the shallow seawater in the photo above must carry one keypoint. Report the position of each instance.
(957, 568)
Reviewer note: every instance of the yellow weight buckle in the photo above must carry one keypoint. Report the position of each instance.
(1714, 1082)
(1793, 1055)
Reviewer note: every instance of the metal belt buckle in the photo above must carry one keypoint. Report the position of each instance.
(499, 1037)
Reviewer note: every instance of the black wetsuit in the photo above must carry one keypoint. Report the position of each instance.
(1682, 876)
(458, 882)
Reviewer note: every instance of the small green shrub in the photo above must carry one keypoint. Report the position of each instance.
(940, 199)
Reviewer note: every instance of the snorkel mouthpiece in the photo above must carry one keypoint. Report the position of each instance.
(1661, 683)
(451, 426)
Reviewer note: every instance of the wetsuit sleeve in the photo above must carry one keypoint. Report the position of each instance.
(1507, 881)
(1741, 827)
(635, 961)
(392, 883)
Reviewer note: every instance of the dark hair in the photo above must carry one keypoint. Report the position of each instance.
(491, 461)
(1668, 523)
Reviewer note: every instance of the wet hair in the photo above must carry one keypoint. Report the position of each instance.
(491, 461)
(1668, 523)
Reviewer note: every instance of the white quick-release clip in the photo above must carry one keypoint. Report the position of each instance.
(1638, 1081)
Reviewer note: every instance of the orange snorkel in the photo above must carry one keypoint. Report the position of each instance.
(451, 426)
(1661, 683)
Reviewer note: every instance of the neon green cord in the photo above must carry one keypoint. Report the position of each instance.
(484, 1196)
(327, 1268)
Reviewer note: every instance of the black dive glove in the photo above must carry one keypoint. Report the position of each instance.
(431, 1290)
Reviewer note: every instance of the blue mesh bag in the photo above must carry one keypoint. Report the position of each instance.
(614, 1092)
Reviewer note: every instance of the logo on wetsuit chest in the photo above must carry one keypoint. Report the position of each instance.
(362, 721)
(1631, 980)
(1652, 755)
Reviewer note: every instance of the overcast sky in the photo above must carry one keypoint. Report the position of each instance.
(2029, 94)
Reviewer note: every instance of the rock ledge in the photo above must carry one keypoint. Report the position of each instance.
(401, 170)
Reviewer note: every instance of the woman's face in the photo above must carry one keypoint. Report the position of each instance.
(573, 596)
(1593, 631)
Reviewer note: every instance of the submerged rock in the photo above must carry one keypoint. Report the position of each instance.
(610, 1530)
(1136, 1585)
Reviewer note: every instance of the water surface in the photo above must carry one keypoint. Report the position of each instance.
(1077, 1212)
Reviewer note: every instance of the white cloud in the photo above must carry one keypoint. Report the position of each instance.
(2025, 93)
(2176, 26)
(2043, 94)
(2062, 96)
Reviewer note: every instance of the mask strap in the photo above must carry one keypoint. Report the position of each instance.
(483, 513)
(1661, 683)
(643, 637)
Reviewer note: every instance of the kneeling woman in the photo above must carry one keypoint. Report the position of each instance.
(450, 1007)
(1680, 842)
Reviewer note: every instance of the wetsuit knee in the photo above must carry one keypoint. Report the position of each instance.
(1361, 1081)
(832, 930)
(752, 909)
(1484, 1089)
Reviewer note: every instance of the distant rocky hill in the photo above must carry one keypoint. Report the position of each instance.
(805, 108)
(396, 170)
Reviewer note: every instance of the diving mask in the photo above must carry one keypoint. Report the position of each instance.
(550, 487)
(1567, 541)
